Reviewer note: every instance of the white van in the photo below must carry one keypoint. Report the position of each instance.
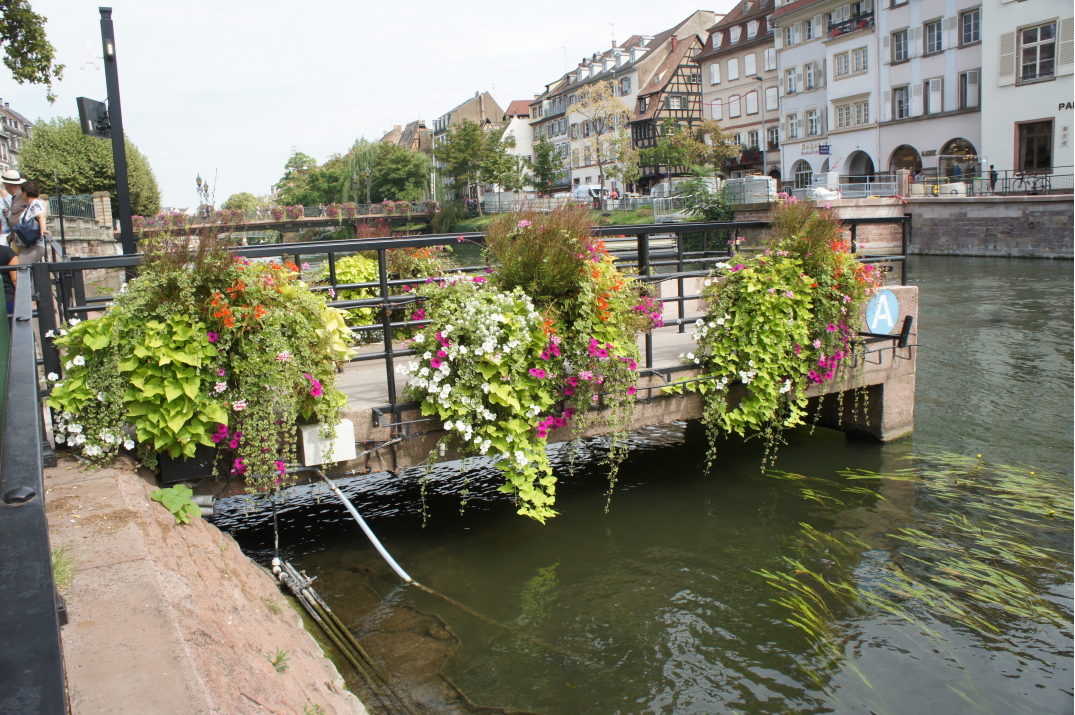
(587, 193)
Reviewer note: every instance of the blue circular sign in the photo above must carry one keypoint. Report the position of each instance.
(882, 312)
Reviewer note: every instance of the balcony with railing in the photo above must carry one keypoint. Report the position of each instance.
(861, 21)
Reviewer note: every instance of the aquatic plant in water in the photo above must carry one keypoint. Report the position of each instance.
(981, 548)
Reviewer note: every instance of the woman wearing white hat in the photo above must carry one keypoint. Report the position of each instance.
(13, 203)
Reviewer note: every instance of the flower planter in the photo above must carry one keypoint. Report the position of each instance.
(200, 466)
(315, 449)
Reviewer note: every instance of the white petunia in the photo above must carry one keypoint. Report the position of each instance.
(420, 337)
(128, 444)
(52, 377)
(79, 360)
(50, 334)
(449, 425)
(74, 321)
(101, 396)
(68, 365)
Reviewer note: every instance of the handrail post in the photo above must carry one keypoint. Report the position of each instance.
(386, 325)
(643, 270)
(854, 238)
(46, 315)
(679, 281)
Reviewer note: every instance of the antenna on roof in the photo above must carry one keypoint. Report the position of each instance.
(613, 25)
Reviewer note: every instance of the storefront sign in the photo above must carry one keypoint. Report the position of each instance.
(930, 152)
(813, 148)
(823, 150)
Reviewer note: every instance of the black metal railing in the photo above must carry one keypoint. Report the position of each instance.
(684, 251)
(858, 22)
(30, 648)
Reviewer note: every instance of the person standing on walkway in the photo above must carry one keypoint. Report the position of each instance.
(12, 203)
(993, 178)
(31, 245)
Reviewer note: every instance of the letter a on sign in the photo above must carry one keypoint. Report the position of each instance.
(881, 312)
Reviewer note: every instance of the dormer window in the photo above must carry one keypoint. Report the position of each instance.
(735, 31)
(769, 24)
(752, 28)
(578, 75)
(718, 38)
(619, 58)
(593, 70)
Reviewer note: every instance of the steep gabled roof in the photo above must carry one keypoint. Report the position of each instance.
(664, 76)
(740, 15)
(518, 108)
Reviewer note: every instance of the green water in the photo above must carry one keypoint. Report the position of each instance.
(656, 606)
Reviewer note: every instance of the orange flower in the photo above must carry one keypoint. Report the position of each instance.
(260, 311)
(291, 266)
(274, 265)
(549, 330)
(229, 322)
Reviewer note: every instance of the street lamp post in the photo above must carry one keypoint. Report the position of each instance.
(764, 136)
(369, 174)
(354, 185)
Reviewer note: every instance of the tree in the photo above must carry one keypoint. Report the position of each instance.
(702, 144)
(547, 165)
(508, 171)
(306, 184)
(243, 201)
(399, 174)
(84, 164)
(606, 120)
(463, 151)
(357, 161)
(623, 157)
(27, 52)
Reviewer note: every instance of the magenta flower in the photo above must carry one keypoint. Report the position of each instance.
(798, 349)
(738, 267)
(573, 381)
(220, 372)
(632, 390)
(419, 314)
(316, 389)
(436, 363)
(213, 337)
(602, 353)
(441, 354)
(523, 224)
(538, 373)
(569, 390)
(239, 467)
(829, 375)
(281, 467)
(831, 328)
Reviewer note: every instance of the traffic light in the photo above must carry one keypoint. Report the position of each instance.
(93, 116)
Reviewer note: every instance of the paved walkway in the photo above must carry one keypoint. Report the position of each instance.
(173, 620)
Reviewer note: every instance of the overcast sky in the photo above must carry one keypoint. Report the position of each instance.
(228, 87)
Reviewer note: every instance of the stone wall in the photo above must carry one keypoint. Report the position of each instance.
(1031, 226)
(883, 239)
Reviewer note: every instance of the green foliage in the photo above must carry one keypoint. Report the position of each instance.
(356, 269)
(547, 165)
(243, 201)
(702, 201)
(202, 348)
(64, 564)
(279, 660)
(176, 499)
(463, 152)
(779, 322)
(84, 164)
(27, 52)
(702, 144)
(449, 215)
(399, 174)
(306, 184)
(500, 167)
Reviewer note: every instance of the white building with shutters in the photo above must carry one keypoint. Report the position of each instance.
(827, 57)
(1026, 84)
(930, 74)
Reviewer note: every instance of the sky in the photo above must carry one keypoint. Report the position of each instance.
(227, 89)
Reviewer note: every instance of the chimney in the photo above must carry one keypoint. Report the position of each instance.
(675, 42)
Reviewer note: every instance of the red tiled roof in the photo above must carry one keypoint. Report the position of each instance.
(518, 107)
(793, 6)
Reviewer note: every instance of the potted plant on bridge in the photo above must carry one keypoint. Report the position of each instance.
(203, 350)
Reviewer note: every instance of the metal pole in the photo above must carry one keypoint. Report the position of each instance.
(115, 118)
(386, 323)
(59, 199)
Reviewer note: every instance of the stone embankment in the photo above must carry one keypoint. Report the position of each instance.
(174, 620)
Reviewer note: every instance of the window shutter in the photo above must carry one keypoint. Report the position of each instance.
(819, 75)
(750, 65)
(887, 109)
(819, 27)
(972, 88)
(949, 25)
(886, 53)
(914, 39)
(778, 39)
(916, 100)
(799, 79)
(1006, 70)
(867, 6)
(936, 96)
(797, 31)
(1065, 63)
(781, 84)
(718, 111)
(714, 73)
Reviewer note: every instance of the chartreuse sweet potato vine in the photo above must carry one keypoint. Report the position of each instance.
(777, 322)
(202, 348)
(511, 356)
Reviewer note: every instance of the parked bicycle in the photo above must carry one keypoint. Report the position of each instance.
(1031, 184)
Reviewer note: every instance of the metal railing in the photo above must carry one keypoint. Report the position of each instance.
(682, 251)
(858, 22)
(860, 190)
(30, 620)
(331, 212)
(1057, 181)
(80, 206)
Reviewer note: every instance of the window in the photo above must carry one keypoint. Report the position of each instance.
(718, 37)
(899, 46)
(750, 65)
(934, 90)
(675, 102)
(572, 99)
(773, 137)
(813, 127)
(1036, 146)
(718, 110)
(752, 29)
(793, 126)
(843, 116)
(733, 106)
(771, 99)
(862, 112)
(752, 103)
(808, 30)
(714, 73)
(625, 86)
(770, 59)
(733, 69)
(969, 27)
(808, 74)
(574, 131)
(734, 33)
(803, 174)
(791, 85)
(901, 101)
(842, 64)
(1038, 53)
(969, 89)
(643, 103)
(789, 36)
(934, 37)
(694, 77)
(859, 58)
(752, 139)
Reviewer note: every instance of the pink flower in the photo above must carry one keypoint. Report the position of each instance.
(573, 381)
(632, 390)
(738, 267)
(436, 363)
(213, 337)
(538, 373)
(316, 389)
(831, 328)
(281, 467)
(569, 390)
(817, 343)
(829, 374)
(419, 314)
(220, 372)
(798, 349)
(585, 375)
(283, 356)
(239, 405)
(523, 224)
(602, 353)
(442, 354)
(239, 467)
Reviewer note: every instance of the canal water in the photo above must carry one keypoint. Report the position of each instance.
(662, 605)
